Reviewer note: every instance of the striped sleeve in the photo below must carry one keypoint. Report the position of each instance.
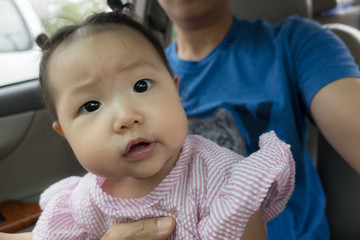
(56, 220)
(264, 179)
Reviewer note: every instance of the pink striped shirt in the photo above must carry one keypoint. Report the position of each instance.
(211, 192)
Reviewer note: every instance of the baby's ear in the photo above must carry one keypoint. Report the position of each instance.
(176, 80)
(56, 126)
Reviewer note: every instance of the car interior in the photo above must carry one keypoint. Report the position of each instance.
(33, 156)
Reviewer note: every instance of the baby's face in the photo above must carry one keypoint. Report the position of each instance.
(117, 104)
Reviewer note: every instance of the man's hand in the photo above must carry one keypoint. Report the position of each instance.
(148, 229)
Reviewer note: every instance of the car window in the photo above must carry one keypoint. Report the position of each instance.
(14, 35)
(21, 21)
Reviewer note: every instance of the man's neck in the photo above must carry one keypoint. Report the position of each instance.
(196, 40)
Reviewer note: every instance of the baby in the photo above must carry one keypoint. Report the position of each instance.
(108, 84)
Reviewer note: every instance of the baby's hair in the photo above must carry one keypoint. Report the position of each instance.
(122, 15)
(119, 6)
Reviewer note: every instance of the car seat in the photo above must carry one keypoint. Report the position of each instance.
(341, 183)
(270, 10)
(332, 11)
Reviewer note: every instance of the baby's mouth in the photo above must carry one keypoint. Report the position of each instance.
(139, 149)
(138, 146)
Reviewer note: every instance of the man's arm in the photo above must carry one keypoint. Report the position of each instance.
(255, 228)
(336, 112)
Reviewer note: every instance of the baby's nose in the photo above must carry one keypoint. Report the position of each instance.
(126, 119)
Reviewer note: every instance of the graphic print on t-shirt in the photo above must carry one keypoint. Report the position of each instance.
(255, 125)
(220, 127)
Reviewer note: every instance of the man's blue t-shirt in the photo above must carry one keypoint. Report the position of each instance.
(263, 77)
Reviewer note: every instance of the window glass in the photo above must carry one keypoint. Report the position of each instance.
(14, 35)
(22, 20)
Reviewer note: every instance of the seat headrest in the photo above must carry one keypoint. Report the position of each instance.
(323, 5)
(271, 10)
(350, 36)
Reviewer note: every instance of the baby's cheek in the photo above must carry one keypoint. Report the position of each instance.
(88, 150)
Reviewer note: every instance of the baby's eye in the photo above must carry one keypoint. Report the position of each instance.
(142, 85)
(90, 106)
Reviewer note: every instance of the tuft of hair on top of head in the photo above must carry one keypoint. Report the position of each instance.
(118, 6)
(42, 41)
